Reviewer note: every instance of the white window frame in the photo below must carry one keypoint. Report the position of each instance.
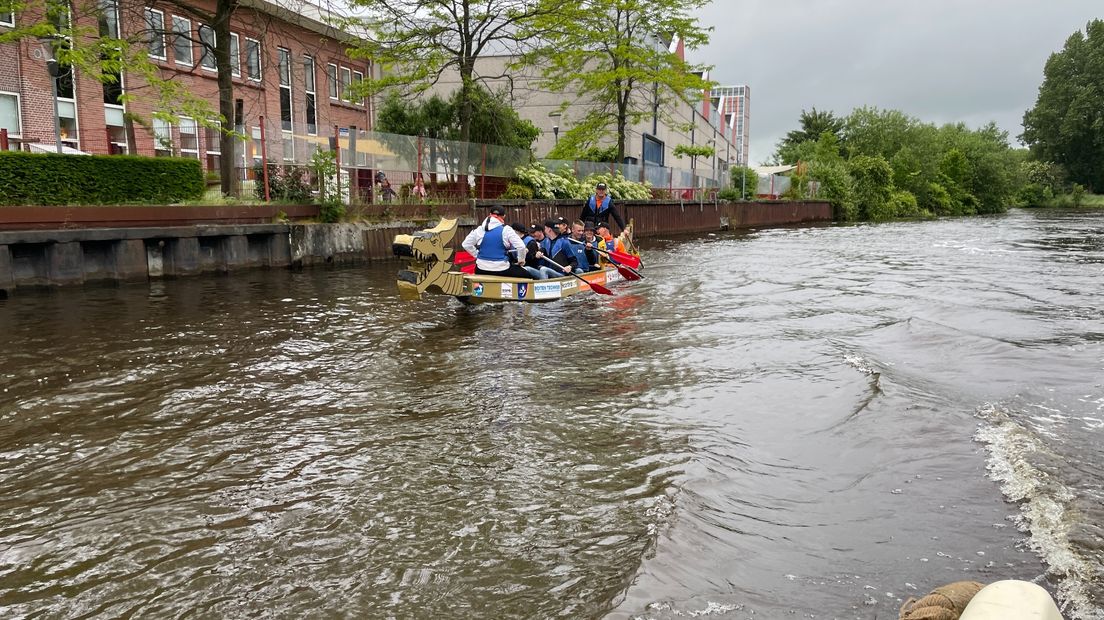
(189, 122)
(18, 115)
(213, 147)
(260, 60)
(157, 31)
(310, 87)
(346, 79)
(285, 53)
(187, 36)
(331, 78)
(235, 55)
(158, 142)
(358, 77)
(7, 19)
(207, 53)
(113, 6)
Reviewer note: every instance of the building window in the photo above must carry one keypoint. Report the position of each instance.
(256, 133)
(109, 19)
(283, 57)
(308, 87)
(214, 147)
(9, 117)
(182, 40)
(155, 24)
(346, 79)
(235, 60)
(207, 48)
(162, 138)
(357, 78)
(331, 72)
(253, 59)
(7, 19)
(189, 138)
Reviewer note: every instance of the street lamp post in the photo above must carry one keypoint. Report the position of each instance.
(556, 127)
(54, 70)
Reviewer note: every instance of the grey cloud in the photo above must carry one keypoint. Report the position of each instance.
(941, 61)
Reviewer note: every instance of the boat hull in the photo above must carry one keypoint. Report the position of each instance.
(479, 288)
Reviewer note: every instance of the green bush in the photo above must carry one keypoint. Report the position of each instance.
(562, 184)
(285, 183)
(731, 194)
(52, 179)
(517, 191)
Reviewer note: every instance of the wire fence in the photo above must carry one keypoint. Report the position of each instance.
(384, 167)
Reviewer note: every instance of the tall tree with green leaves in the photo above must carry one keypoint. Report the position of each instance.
(415, 41)
(612, 58)
(813, 123)
(1066, 126)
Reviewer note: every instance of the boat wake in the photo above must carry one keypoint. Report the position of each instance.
(1047, 507)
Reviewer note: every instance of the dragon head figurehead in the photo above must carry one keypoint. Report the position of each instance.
(430, 261)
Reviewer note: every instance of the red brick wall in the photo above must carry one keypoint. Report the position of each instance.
(31, 80)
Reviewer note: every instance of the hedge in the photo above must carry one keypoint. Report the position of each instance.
(52, 179)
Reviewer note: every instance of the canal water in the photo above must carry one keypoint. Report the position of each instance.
(806, 422)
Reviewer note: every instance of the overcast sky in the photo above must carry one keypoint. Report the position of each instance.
(941, 61)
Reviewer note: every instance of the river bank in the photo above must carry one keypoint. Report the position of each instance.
(63, 246)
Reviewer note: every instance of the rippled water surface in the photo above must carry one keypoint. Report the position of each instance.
(779, 423)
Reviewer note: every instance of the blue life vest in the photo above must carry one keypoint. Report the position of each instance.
(578, 250)
(604, 206)
(493, 247)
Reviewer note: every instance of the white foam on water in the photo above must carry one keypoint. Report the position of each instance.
(859, 364)
(1045, 507)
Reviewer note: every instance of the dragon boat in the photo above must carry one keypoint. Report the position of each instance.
(431, 269)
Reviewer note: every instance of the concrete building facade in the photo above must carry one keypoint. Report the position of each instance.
(650, 142)
(288, 67)
(734, 104)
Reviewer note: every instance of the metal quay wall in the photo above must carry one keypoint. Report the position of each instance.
(60, 246)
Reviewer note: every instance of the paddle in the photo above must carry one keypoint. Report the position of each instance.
(597, 288)
(617, 257)
(464, 261)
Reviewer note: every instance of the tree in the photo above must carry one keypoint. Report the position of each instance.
(418, 40)
(493, 121)
(1066, 126)
(613, 57)
(111, 53)
(813, 124)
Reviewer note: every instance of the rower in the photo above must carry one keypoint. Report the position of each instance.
(557, 250)
(533, 237)
(577, 247)
(592, 245)
(489, 243)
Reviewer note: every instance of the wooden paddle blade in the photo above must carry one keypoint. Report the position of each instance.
(628, 274)
(626, 259)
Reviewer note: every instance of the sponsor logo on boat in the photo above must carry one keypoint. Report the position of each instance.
(478, 290)
(546, 290)
(507, 290)
(613, 276)
(522, 289)
(568, 285)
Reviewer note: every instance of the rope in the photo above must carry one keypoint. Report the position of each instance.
(943, 603)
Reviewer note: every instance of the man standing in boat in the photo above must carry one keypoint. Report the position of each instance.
(599, 208)
(489, 243)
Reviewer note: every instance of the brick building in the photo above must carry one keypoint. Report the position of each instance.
(289, 67)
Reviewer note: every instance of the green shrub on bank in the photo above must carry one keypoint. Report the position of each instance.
(52, 179)
(562, 184)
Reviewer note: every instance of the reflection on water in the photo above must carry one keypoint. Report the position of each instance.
(772, 422)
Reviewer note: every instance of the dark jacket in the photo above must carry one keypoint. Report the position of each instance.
(561, 253)
(594, 213)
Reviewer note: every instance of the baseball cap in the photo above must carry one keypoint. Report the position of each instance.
(536, 228)
(520, 228)
(560, 220)
(549, 223)
(588, 226)
(601, 225)
(600, 186)
(496, 210)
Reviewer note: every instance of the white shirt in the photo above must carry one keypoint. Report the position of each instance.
(509, 236)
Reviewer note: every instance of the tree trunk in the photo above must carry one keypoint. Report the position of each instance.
(227, 139)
